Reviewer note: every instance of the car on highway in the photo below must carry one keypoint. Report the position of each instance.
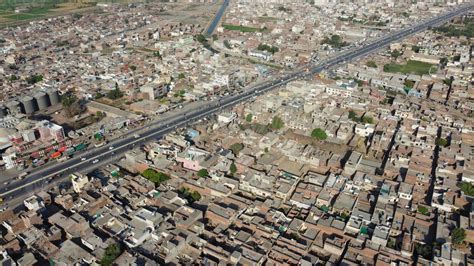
(83, 158)
(95, 161)
(111, 147)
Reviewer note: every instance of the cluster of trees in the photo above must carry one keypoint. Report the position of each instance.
(233, 168)
(441, 142)
(115, 93)
(236, 148)
(364, 119)
(467, 188)
(319, 134)
(203, 173)
(454, 31)
(458, 235)
(34, 79)
(268, 48)
(395, 53)
(249, 118)
(71, 105)
(423, 210)
(284, 9)
(190, 196)
(335, 41)
(277, 123)
(409, 83)
(154, 176)
(112, 252)
(371, 64)
(201, 38)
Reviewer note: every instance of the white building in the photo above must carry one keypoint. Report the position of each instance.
(226, 117)
(78, 181)
(9, 158)
(33, 203)
(364, 130)
(260, 54)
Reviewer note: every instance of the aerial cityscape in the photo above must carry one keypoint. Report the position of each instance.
(237, 132)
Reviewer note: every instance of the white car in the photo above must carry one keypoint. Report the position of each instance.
(111, 147)
(95, 161)
(83, 158)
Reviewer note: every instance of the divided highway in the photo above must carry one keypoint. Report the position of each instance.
(97, 156)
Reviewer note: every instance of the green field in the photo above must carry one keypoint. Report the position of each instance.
(411, 67)
(20, 11)
(240, 28)
(14, 12)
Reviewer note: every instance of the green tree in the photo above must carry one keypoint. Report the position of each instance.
(233, 168)
(112, 252)
(181, 76)
(236, 148)
(277, 123)
(425, 251)
(190, 196)
(203, 173)
(268, 48)
(260, 128)
(335, 41)
(214, 37)
(34, 79)
(115, 93)
(319, 134)
(415, 48)
(441, 142)
(68, 99)
(367, 119)
(395, 53)
(353, 116)
(70, 104)
(458, 235)
(195, 196)
(133, 68)
(154, 176)
(201, 38)
(371, 64)
(423, 210)
(249, 118)
(467, 188)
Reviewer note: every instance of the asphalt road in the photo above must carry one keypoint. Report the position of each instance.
(98, 156)
(217, 18)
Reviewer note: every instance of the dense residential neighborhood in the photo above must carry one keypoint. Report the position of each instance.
(369, 162)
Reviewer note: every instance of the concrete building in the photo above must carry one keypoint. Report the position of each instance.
(78, 181)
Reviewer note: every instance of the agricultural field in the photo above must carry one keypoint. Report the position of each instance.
(13, 12)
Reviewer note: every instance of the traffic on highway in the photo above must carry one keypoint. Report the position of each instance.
(96, 157)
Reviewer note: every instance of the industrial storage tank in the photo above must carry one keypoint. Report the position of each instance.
(42, 100)
(28, 104)
(53, 96)
(13, 107)
(3, 111)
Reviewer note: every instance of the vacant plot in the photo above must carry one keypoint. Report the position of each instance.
(240, 28)
(411, 67)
